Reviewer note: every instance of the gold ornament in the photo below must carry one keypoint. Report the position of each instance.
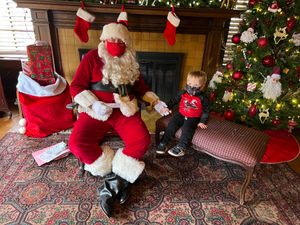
(243, 118)
(280, 34)
(228, 4)
(278, 106)
(285, 70)
(294, 101)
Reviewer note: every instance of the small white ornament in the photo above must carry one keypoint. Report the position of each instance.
(22, 130)
(248, 36)
(264, 115)
(228, 96)
(280, 34)
(217, 78)
(296, 39)
(251, 87)
(22, 122)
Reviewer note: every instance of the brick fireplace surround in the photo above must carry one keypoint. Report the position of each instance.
(199, 35)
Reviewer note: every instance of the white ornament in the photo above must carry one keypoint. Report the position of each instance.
(263, 115)
(271, 88)
(217, 78)
(248, 36)
(22, 122)
(228, 96)
(22, 130)
(251, 87)
(296, 39)
(280, 34)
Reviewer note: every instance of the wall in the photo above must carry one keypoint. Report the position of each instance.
(191, 45)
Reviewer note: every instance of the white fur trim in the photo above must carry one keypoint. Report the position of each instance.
(92, 114)
(102, 166)
(127, 167)
(85, 98)
(173, 19)
(85, 15)
(276, 76)
(122, 17)
(27, 85)
(117, 31)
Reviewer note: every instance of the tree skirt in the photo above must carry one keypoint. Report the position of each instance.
(282, 147)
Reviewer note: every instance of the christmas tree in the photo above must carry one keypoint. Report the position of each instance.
(261, 85)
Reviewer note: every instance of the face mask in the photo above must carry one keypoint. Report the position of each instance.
(192, 90)
(115, 48)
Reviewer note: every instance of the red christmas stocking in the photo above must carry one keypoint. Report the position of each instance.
(170, 30)
(83, 23)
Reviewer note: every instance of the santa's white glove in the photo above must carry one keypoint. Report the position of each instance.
(101, 109)
(162, 108)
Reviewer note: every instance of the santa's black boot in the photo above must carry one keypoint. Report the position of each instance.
(112, 187)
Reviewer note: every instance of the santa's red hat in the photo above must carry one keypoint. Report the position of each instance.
(117, 30)
(276, 72)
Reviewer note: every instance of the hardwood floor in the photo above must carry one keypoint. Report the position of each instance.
(6, 124)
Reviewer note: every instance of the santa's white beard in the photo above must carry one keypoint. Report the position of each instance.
(119, 70)
(271, 89)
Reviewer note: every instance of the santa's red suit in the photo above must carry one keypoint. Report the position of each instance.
(91, 88)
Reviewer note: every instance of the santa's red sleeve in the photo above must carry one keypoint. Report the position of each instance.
(83, 77)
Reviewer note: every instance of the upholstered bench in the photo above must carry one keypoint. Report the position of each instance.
(226, 141)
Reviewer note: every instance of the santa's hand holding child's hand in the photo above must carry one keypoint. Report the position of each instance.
(202, 125)
(101, 109)
(162, 108)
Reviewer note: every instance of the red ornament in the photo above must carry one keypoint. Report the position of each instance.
(274, 5)
(252, 3)
(262, 42)
(249, 52)
(298, 71)
(229, 66)
(236, 38)
(252, 110)
(212, 96)
(291, 24)
(229, 114)
(276, 121)
(268, 61)
(237, 75)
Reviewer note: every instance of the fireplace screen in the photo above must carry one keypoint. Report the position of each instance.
(161, 71)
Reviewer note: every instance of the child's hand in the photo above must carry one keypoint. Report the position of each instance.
(202, 125)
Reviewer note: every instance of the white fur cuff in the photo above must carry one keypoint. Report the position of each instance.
(85, 15)
(127, 167)
(85, 98)
(102, 166)
(173, 19)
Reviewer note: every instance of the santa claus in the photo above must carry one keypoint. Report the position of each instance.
(106, 87)
(271, 88)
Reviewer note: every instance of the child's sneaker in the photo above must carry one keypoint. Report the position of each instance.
(161, 148)
(177, 151)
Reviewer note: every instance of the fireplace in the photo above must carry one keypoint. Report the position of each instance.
(161, 71)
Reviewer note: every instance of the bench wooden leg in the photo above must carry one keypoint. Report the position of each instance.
(81, 169)
(249, 173)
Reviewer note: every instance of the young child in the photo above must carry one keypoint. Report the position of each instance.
(193, 112)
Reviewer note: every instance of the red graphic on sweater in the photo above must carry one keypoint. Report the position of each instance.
(190, 106)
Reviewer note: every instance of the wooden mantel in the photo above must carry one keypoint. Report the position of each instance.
(49, 15)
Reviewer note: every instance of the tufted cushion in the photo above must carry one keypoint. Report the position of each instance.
(230, 142)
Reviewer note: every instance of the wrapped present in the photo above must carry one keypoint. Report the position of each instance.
(40, 63)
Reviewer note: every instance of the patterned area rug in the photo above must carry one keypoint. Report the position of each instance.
(194, 189)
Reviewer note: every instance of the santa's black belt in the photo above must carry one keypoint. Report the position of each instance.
(122, 89)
